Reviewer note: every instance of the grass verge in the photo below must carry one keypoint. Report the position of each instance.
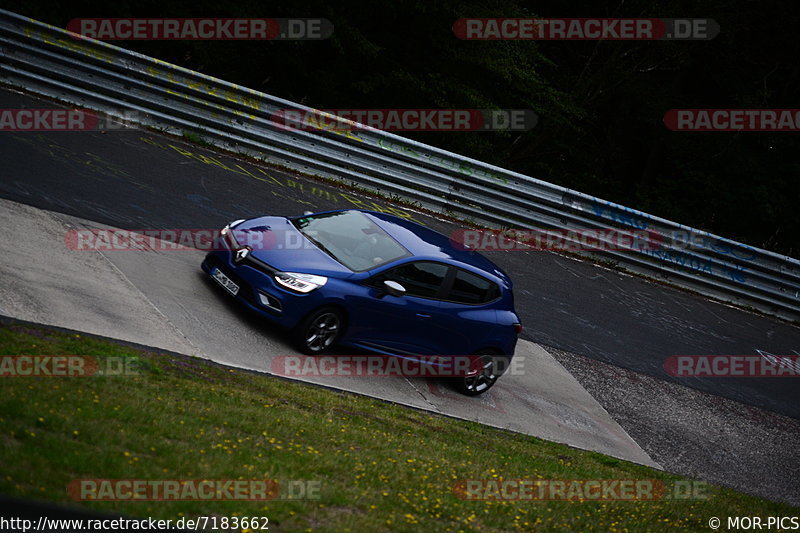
(380, 467)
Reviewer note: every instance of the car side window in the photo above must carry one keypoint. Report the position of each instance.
(469, 288)
(420, 278)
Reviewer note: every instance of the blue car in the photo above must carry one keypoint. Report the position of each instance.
(372, 281)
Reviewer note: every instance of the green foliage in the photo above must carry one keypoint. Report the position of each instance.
(380, 466)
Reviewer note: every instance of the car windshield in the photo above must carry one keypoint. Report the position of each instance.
(351, 238)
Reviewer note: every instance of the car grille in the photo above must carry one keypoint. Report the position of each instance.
(259, 265)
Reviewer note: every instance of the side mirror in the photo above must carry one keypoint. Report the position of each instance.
(393, 288)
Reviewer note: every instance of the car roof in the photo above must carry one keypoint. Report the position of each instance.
(426, 243)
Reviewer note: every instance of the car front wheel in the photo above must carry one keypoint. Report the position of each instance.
(319, 330)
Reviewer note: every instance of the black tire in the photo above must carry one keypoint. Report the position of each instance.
(319, 330)
(487, 366)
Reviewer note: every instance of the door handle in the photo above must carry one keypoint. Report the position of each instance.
(423, 315)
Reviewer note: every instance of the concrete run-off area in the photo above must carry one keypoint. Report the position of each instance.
(161, 299)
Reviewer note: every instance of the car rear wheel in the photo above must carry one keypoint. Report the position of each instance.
(319, 330)
(485, 367)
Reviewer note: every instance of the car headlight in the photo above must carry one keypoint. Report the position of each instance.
(300, 282)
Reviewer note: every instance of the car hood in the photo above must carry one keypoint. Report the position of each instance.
(276, 242)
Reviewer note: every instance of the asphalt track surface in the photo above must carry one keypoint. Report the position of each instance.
(136, 179)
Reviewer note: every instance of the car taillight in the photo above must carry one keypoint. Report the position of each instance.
(518, 328)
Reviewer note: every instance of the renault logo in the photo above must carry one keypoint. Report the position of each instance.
(240, 254)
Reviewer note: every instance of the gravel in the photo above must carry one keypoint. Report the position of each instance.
(696, 434)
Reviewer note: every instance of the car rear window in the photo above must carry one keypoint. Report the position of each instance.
(469, 288)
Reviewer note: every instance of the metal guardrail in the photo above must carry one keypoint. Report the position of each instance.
(50, 61)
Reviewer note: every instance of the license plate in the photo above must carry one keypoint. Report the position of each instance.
(225, 281)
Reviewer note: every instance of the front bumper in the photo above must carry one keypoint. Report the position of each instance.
(259, 292)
